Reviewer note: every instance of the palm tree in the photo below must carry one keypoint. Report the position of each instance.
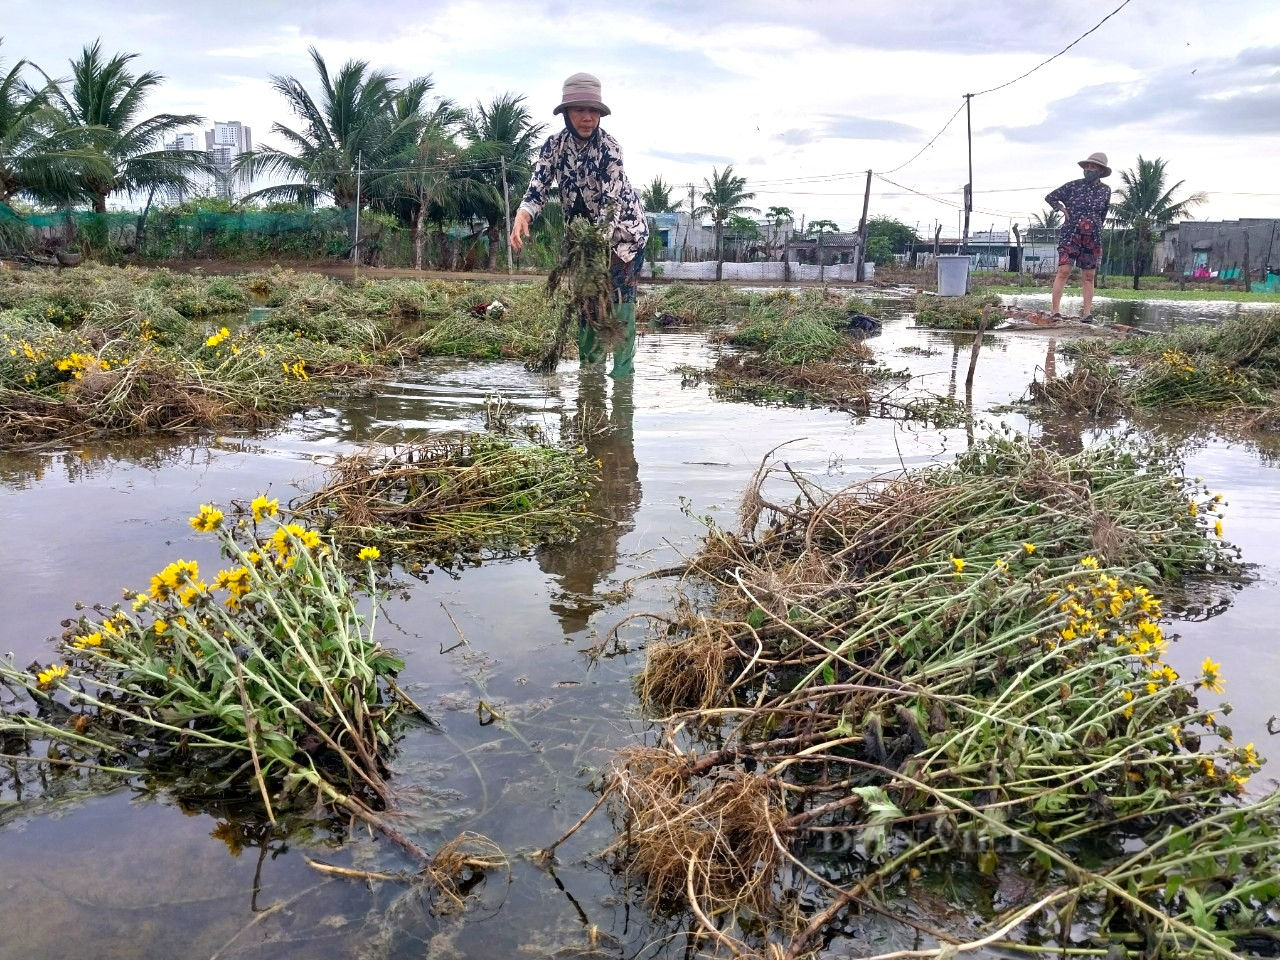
(1049, 220)
(360, 121)
(778, 216)
(723, 195)
(37, 160)
(101, 116)
(656, 197)
(432, 175)
(501, 131)
(1145, 206)
(821, 227)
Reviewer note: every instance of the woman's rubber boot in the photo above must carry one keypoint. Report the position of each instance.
(624, 355)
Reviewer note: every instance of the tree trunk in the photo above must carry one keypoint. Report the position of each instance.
(415, 235)
(100, 203)
(494, 235)
(719, 250)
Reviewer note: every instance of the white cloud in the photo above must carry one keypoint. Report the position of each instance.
(783, 90)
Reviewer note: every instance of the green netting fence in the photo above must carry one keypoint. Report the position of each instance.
(180, 233)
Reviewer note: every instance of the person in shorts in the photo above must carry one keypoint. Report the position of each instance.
(1084, 204)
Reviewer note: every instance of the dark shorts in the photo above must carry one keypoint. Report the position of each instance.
(1083, 247)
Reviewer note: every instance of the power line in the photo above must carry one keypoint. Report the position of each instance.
(931, 142)
(1058, 54)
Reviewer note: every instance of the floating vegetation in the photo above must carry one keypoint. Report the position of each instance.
(803, 329)
(957, 669)
(701, 305)
(749, 377)
(454, 498)
(955, 313)
(1092, 387)
(60, 385)
(260, 679)
(1231, 370)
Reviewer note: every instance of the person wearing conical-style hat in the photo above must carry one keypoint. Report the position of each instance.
(1084, 204)
(585, 163)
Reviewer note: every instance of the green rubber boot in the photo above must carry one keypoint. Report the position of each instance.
(624, 355)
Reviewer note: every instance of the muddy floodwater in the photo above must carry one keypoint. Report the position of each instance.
(133, 874)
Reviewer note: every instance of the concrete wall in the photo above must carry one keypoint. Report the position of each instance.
(1220, 245)
(771, 271)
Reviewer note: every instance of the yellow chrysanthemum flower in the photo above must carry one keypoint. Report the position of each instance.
(1030, 548)
(958, 562)
(1089, 563)
(1211, 675)
(262, 507)
(55, 672)
(208, 519)
(369, 553)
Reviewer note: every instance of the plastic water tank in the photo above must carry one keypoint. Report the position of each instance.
(953, 275)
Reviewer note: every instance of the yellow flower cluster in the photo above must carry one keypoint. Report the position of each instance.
(263, 508)
(207, 520)
(48, 677)
(174, 577)
(79, 363)
(369, 553)
(1178, 360)
(235, 582)
(218, 337)
(298, 369)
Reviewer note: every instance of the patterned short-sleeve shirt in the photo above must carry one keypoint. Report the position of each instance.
(591, 179)
(1084, 199)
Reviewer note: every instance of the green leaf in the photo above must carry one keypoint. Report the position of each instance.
(756, 618)
(1172, 887)
(829, 674)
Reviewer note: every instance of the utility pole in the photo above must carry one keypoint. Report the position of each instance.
(689, 233)
(506, 213)
(862, 232)
(355, 247)
(968, 187)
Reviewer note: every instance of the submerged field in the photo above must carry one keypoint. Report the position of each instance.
(532, 666)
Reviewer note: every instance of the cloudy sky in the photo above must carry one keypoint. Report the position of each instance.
(802, 98)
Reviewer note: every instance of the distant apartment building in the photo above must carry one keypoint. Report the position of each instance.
(183, 141)
(225, 143)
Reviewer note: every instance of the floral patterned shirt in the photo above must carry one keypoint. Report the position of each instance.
(591, 179)
(1084, 199)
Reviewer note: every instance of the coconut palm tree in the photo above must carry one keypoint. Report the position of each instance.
(777, 217)
(1145, 205)
(360, 121)
(100, 115)
(723, 195)
(432, 175)
(501, 131)
(656, 197)
(1050, 219)
(37, 159)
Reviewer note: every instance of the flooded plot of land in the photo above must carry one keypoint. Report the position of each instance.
(136, 874)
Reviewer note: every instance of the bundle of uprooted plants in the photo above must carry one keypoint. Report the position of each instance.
(263, 680)
(125, 378)
(1232, 368)
(454, 497)
(583, 273)
(956, 672)
(1093, 387)
(956, 313)
(689, 305)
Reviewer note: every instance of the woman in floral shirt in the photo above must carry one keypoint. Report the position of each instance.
(1084, 204)
(585, 163)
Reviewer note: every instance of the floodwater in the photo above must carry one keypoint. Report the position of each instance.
(134, 874)
(1155, 315)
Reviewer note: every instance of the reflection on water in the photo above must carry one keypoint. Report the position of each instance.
(579, 566)
(139, 876)
(1150, 314)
